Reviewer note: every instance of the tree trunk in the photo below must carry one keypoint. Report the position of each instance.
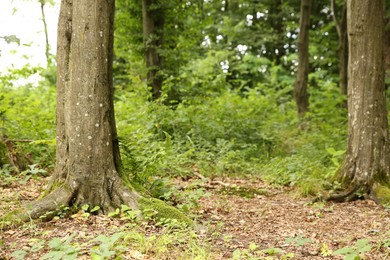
(341, 27)
(87, 157)
(366, 170)
(278, 25)
(47, 46)
(300, 91)
(153, 28)
(343, 53)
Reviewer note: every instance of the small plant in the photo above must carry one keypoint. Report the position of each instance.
(85, 211)
(107, 244)
(19, 254)
(61, 249)
(336, 156)
(354, 253)
(386, 241)
(32, 171)
(6, 175)
(298, 240)
(254, 253)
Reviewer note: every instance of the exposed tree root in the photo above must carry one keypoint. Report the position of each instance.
(47, 207)
(376, 192)
(348, 195)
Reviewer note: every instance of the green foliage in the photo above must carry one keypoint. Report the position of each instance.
(108, 246)
(355, 252)
(32, 172)
(298, 240)
(60, 249)
(253, 252)
(7, 175)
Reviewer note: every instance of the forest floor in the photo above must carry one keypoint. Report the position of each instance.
(243, 219)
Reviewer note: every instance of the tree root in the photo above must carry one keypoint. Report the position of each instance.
(348, 195)
(45, 208)
(377, 192)
(49, 206)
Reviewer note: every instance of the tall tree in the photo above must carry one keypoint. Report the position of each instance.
(366, 170)
(300, 91)
(341, 28)
(47, 45)
(153, 29)
(87, 158)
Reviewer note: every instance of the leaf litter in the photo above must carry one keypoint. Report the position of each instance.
(244, 219)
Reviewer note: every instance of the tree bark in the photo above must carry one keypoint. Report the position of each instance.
(47, 46)
(278, 25)
(366, 170)
(87, 156)
(300, 91)
(341, 27)
(153, 28)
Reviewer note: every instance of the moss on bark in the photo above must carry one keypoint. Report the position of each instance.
(381, 193)
(164, 211)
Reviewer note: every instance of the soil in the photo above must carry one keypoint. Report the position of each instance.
(239, 216)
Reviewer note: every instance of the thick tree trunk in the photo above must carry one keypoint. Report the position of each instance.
(300, 91)
(366, 170)
(153, 28)
(88, 161)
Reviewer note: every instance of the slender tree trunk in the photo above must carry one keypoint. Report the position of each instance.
(279, 30)
(301, 95)
(153, 27)
(366, 170)
(343, 53)
(47, 46)
(341, 27)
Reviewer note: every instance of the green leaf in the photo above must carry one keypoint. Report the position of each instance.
(236, 254)
(114, 213)
(37, 246)
(53, 255)
(19, 254)
(344, 251)
(331, 151)
(352, 256)
(362, 243)
(85, 207)
(96, 208)
(273, 251)
(55, 243)
(253, 246)
(125, 208)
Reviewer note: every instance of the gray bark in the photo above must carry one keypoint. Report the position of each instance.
(87, 157)
(153, 27)
(341, 27)
(367, 163)
(300, 91)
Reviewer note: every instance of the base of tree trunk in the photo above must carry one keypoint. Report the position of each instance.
(49, 206)
(380, 193)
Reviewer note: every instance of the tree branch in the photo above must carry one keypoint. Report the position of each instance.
(334, 16)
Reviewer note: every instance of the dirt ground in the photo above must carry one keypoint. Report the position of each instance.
(242, 219)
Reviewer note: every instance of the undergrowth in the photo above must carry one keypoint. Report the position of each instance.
(237, 133)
